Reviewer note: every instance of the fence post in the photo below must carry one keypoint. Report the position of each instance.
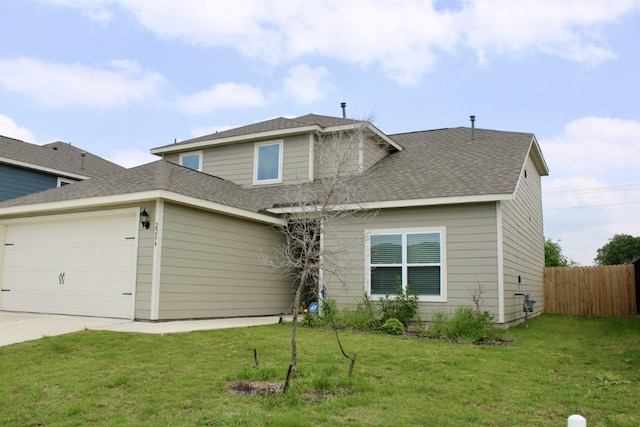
(576, 421)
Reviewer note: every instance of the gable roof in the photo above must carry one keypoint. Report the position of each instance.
(440, 166)
(58, 158)
(277, 128)
(435, 167)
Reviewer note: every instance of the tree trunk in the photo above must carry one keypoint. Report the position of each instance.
(294, 325)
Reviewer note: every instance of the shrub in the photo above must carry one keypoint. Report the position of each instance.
(311, 320)
(393, 326)
(365, 317)
(330, 314)
(438, 326)
(465, 325)
(402, 306)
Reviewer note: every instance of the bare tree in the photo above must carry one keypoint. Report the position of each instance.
(335, 193)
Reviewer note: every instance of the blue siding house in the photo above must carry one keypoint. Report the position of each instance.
(28, 168)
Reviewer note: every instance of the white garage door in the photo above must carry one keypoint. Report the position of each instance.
(74, 264)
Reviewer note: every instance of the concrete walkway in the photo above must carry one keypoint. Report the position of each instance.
(20, 327)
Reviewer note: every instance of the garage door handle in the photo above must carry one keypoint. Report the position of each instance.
(61, 278)
(126, 293)
(5, 290)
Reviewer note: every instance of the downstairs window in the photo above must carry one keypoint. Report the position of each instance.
(407, 258)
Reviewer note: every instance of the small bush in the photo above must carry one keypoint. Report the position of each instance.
(402, 306)
(465, 325)
(311, 320)
(330, 315)
(393, 326)
(365, 317)
(438, 326)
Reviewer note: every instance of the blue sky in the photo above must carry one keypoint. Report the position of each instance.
(118, 77)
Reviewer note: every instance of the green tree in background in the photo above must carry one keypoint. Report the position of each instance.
(553, 256)
(620, 249)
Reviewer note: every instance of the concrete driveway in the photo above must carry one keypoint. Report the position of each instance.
(19, 327)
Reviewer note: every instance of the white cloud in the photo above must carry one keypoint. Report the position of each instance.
(306, 84)
(402, 39)
(130, 157)
(597, 146)
(11, 129)
(594, 188)
(222, 96)
(56, 84)
(568, 29)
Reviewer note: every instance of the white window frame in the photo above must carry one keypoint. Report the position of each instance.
(256, 159)
(192, 153)
(404, 232)
(64, 181)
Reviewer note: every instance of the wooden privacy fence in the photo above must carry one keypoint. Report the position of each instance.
(590, 291)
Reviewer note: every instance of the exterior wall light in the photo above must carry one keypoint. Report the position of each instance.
(144, 219)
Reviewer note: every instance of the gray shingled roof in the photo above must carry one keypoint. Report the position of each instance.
(279, 123)
(57, 155)
(434, 164)
(447, 163)
(160, 175)
(437, 163)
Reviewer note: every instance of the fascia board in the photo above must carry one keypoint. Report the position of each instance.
(231, 139)
(96, 202)
(402, 203)
(42, 168)
(536, 153)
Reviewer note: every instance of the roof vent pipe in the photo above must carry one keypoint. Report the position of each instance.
(473, 127)
(82, 154)
(343, 105)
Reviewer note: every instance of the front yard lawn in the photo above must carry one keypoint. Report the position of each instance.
(559, 366)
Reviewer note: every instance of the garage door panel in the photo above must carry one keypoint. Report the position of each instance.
(84, 266)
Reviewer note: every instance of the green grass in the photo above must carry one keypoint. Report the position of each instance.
(559, 366)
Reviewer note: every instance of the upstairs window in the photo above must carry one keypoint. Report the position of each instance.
(267, 168)
(192, 160)
(413, 258)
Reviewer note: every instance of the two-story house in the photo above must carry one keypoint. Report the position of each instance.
(449, 212)
(28, 168)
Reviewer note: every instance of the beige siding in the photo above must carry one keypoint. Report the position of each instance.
(211, 267)
(373, 153)
(471, 255)
(296, 159)
(234, 162)
(335, 152)
(172, 157)
(145, 267)
(523, 244)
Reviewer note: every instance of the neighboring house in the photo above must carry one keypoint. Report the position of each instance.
(28, 168)
(457, 212)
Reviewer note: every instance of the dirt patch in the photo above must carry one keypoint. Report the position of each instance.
(506, 341)
(259, 388)
(262, 388)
